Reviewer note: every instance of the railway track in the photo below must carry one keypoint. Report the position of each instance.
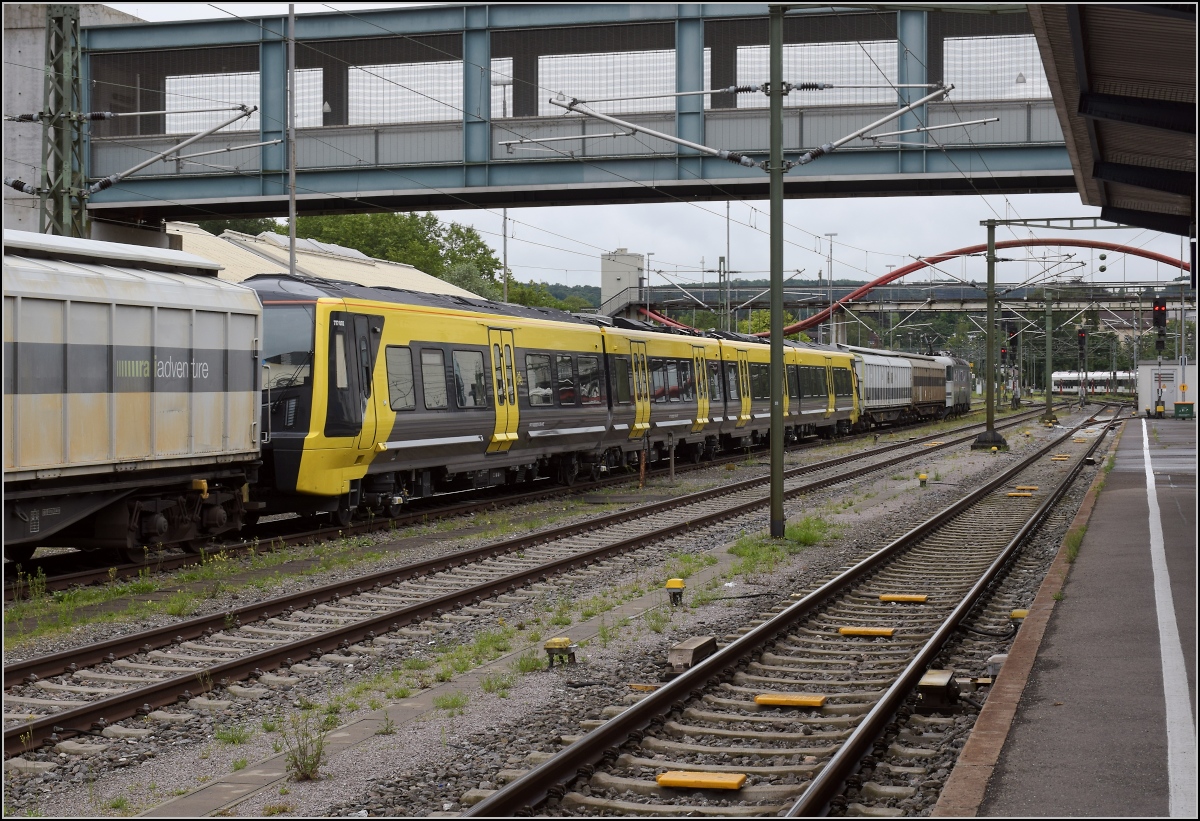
(80, 691)
(778, 721)
(60, 571)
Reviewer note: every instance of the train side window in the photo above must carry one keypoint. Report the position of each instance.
(658, 380)
(498, 370)
(672, 381)
(537, 369)
(398, 361)
(760, 381)
(566, 380)
(361, 333)
(591, 388)
(433, 378)
(731, 379)
(793, 382)
(341, 375)
(687, 385)
(624, 380)
(509, 378)
(715, 394)
(470, 382)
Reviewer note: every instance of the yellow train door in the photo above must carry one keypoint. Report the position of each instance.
(700, 371)
(504, 383)
(743, 363)
(831, 400)
(641, 391)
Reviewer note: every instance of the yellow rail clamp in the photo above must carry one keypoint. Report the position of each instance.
(701, 781)
(643, 688)
(789, 700)
(1026, 487)
(1022, 494)
(885, 632)
(1079, 441)
(919, 598)
(1018, 614)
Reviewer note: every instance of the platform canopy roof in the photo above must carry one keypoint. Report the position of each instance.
(1123, 77)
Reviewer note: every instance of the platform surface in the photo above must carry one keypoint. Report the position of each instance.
(1107, 722)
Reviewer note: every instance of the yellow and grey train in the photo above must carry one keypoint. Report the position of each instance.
(374, 395)
(147, 402)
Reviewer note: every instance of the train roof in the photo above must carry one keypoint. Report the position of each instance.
(289, 286)
(49, 246)
(877, 352)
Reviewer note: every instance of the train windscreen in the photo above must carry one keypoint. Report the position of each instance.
(288, 343)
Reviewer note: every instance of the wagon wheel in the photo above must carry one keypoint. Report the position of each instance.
(194, 547)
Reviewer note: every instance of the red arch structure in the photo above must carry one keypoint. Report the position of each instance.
(818, 318)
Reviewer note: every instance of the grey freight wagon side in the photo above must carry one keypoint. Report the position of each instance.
(131, 396)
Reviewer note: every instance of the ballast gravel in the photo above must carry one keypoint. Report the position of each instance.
(427, 766)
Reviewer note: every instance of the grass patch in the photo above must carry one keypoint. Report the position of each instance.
(233, 734)
(277, 809)
(1059, 595)
(118, 803)
(453, 703)
(530, 661)
(499, 683)
(1073, 541)
(240, 764)
(761, 554)
(682, 565)
(656, 619)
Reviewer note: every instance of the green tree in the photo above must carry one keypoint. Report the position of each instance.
(254, 227)
(466, 275)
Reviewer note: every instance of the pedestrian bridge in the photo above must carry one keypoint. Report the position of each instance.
(449, 106)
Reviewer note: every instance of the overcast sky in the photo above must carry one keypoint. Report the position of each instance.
(564, 244)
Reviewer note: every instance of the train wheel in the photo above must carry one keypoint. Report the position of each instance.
(391, 510)
(343, 514)
(19, 552)
(694, 452)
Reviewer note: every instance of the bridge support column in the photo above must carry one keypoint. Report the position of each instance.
(912, 29)
(689, 76)
(477, 96)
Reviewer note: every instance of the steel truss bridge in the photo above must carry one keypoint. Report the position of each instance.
(448, 107)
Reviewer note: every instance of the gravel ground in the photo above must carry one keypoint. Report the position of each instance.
(427, 766)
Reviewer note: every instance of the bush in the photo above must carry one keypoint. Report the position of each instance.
(305, 743)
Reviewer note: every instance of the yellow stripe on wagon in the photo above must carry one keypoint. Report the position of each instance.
(885, 632)
(701, 781)
(918, 598)
(789, 700)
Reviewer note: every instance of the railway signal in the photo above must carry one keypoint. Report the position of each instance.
(1160, 313)
(1082, 339)
(1003, 355)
